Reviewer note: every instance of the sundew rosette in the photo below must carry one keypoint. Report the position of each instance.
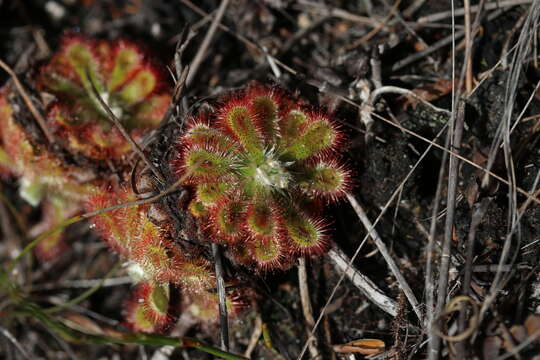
(125, 79)
(261, 167)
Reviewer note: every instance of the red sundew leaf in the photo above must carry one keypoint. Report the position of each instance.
(325, 179)
(118, 227)
(264, 104)
(7, 167)
(55, 210)
(197, 209)
(154, 253)
(34, 164)
(291, 125)
(127, 59)
(306, 236)
(228, 219)
(149, 113)
(237, 118)
(205, 306)
(68, 68)
(241, 254)
(267, 252)
(194, 275)
(210, 193)
(147, 309)
(204, 163)
(200, 132)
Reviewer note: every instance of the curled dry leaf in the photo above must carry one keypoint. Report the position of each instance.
(532, 324)
(362, 346)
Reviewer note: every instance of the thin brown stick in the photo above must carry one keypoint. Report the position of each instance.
(370, 228)
(492, 5)
(479, 209)
(409, 11)
(457, 126)
(26, 98)
(362, 282)
(468, 47)
(374, 31)
(505, 52)
(206, 41)
(149, 200)
(255, 336)
(339, 13)
(528, 341)
(430, 248)
(223, 318)
(454, 138)
(15, 343)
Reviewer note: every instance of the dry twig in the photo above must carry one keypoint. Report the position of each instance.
(370, 228)
(28, 102)
(307, 309)
(206, 41)
(363, 283)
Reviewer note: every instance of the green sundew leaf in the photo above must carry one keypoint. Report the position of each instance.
(141, 319)
(159, 298)
(202, 134)
(55, 209)
(126, 61)
(318, 136)
(148, 113)
(85, 65)
(5, 160)
(329, 179)
(197, 209)
(303, 232)
(138, 88)
(266, 250)
(240, 121)
(266, 110)
(32, 191)
(204, 163)
(291, 125)
(209, 193)
(65, 86)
